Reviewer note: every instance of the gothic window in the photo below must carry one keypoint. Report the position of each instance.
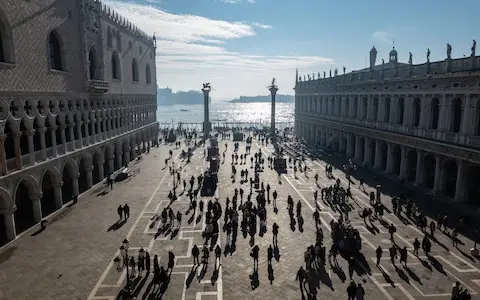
(92, 64)
(116, 71)
(109, 37)
(134, 70)
(148, 74)
(55, 52)
(6, 50)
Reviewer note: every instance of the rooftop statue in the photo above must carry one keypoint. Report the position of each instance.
(410, 58)
(206, 86)
(324, 74)
(344, 70)
(330, 73)
(474, 46)
(318, 75)
(449, 51)
(428, 55)
(373, 57)
(308, 76)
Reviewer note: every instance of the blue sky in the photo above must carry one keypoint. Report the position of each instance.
(239, 45)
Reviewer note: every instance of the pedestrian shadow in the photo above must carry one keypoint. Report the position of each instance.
(117, 225)
(402, 274)
(437, 265)
(339, 271)
(413, 275)
(214, 277)
(386, 276)
(254, 282)
(40, 230)
(191, 275)
(271, 276)
(321, 275)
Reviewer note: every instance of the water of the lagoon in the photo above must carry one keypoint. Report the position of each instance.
(255, 113)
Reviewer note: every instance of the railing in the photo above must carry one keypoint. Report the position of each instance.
(474, 140)
(38, 155)
(27, 160)
(50, 152)
(450, 137)
(71, 146)
(60, 149)
(98, 86)
(12, 164)
(78, 143)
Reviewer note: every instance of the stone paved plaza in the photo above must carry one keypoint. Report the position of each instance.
(73, 257)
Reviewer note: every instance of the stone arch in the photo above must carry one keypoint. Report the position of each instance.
(84, 171)
(411, 165)
(397, 159)
(50, 181)
(450, 172)
(429, 165)
(7, 52)
(69, 179)
(457, 112)
(472, 186)
(98, 166)
(25, 193)
(416, 112)
(55, 51)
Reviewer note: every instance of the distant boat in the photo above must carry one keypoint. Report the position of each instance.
(183, 109)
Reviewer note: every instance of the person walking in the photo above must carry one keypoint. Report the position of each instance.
(120, 212)
(195, 254)
(147, 261)
(218, 255)
(379, 252)
(126, 211)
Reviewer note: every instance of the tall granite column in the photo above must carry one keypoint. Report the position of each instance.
(273, 91)
(207, 125)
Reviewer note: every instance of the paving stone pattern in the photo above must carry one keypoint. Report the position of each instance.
(72, 258)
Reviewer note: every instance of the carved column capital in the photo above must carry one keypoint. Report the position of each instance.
(30, 132)
(17, 134)
(57, 185)
(41, 129)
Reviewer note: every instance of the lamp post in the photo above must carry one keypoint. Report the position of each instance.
(117, 261)
(378, 187)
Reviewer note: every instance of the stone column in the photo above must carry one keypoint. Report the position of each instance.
(349, 145)
(100, 170)
(119, 159)
(207, 126)
(9, 222)
(43, 145)
(273, 91)
(460, 185)
(31, 148)
(389, 167)
(75, 189)
(425, 108)
(57, 192)
(111, 165)
(378, 155)
(403, 163)
(437, 185)
(370, 108)
(126, 153)
(468, 117)
(88, 174)
(408, 112)
(341, 144)
(445, 110)
(381, 109)
(367, 152)
(37, 208)
(18, 150)
(3, 156)
(357, 149)
(63, 139)
(359, 108)
(79, 133)
(71, 127)
(393, 109)
(53, 138)
(419, 169)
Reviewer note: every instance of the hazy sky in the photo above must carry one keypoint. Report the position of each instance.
(239, 45)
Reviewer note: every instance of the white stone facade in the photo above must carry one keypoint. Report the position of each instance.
(67, 123)
(420, 123)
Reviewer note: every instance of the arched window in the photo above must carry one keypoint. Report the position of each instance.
(435, 113)
(134, 70)
(6, 44)
(416, 112)
(148, 74)
(92, 64)
(456, 115)
(55, 52)
(116, 72)
(109, 37)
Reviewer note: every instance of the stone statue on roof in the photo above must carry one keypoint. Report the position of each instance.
(474, 46)
(449, 51)
(428, 55)
(410, 58)
(373, 57)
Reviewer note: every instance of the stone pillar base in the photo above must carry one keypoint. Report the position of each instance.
(207, 127)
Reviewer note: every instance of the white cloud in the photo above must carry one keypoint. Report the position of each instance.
(382, 37)
(193, 49)
(263, 26)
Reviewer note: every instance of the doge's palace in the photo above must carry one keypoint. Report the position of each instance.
(419, 123)
(77, 102)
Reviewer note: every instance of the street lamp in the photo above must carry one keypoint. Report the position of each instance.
(116, 260)
(378, 187)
